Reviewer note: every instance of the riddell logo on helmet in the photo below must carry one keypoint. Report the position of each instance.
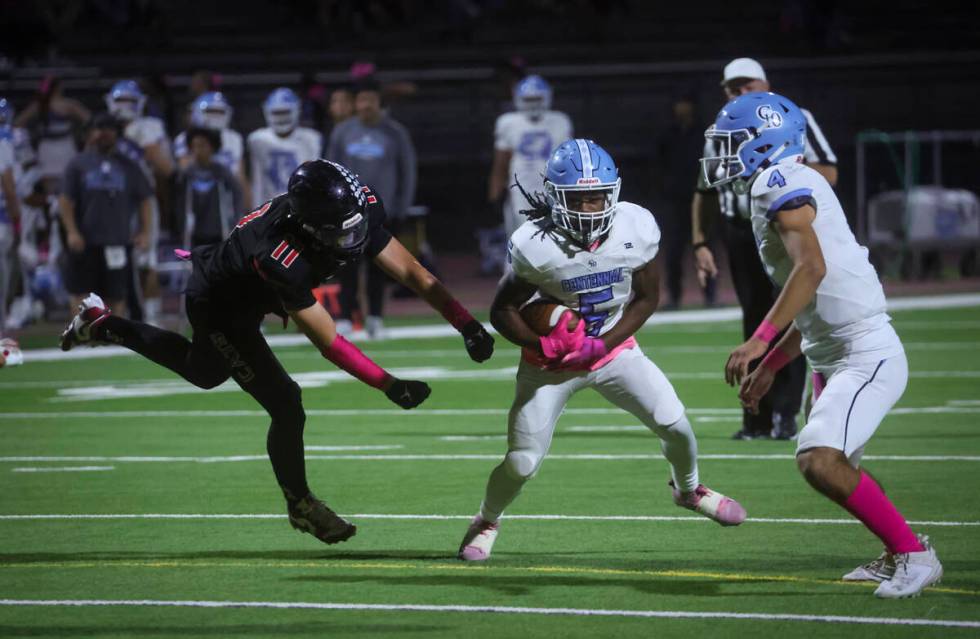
(591, 180)
(352, 221)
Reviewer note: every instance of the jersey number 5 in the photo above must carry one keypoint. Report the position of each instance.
(587, 303)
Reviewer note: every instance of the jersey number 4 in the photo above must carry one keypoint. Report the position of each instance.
(776, 179)
(594, 319)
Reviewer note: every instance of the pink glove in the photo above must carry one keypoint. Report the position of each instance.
(591, 351)
(560, 341)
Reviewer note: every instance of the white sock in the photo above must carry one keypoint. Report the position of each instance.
(680, 447)
(502, 489)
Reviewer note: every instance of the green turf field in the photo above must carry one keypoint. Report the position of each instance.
(411, 480)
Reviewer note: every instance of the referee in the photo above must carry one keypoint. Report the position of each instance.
(756, 293)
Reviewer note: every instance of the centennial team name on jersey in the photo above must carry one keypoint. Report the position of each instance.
(592, 280)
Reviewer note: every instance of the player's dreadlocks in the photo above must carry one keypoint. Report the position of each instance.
(539, 204)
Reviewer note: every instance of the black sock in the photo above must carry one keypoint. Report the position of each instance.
(285, 447)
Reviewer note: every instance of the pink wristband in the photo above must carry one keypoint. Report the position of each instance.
(776, 359)
(767, 331)
(350, 358)
(456, 314)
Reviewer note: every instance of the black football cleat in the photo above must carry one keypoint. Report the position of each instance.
(311, 515)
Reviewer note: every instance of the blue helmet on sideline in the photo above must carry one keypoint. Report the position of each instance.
(532, 96)
(212, 111)
(281, 110)
(751, 133)
(125, 100)
(576, 168)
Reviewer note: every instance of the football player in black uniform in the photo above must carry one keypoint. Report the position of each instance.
(273, 258)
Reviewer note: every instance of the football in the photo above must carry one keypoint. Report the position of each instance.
(543, 315)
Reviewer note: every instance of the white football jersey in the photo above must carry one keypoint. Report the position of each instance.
(230, 155)
(847, 318)
(273, 158)
(139, 134)
(597, 284)
(8, 160)
(531, 143)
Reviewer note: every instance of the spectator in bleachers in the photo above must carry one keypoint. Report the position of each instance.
(208, 198)
(103, 191)
(212, 111)
(380, 151)
(53, 121)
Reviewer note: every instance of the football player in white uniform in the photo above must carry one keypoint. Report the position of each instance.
(212, 111)
(834, 306)
(522, 142)
(144, 141)
(586, 251)
(277, 149)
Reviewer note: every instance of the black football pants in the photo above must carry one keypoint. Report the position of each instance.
(756, 294)
(228, 343)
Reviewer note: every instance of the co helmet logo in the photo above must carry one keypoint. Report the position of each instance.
(772, 117)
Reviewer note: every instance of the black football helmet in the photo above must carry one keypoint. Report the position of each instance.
(328, 207)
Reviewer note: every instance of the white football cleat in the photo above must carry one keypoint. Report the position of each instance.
(478, 540)
(725, 510)
(914, 571)
(91, 312)
(880, 569)
(10, 353)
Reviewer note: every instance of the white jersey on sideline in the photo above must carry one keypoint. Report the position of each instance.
(273, 158)
(847, 318)
(530, 143)
(139, 134)
(597, 283)
(230, 155)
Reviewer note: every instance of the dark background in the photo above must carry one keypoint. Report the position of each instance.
(616, 67)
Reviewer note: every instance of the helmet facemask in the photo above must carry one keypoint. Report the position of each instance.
(741, 154)
(574, 208)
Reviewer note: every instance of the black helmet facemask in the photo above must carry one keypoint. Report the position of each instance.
(345, 243)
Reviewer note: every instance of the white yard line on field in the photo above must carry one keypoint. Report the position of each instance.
(435, 517)
(511, 610)
(217, 459)
(62, 469)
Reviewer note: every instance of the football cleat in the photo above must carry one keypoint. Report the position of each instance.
(478, 540)
(10, 353)
(880, 569)
(725, 510)
(914, 571)
(91, 312)
(311, 515)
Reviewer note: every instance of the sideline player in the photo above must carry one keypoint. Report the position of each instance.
(523, 141)
(145, 142)
(270, 262)
(278, 148)
(587, 251)
(834, 308)
(212, 111)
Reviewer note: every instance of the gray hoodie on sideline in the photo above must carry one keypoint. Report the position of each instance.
(382, 155)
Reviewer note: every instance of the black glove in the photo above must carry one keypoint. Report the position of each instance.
(408, 393)
(479, 343)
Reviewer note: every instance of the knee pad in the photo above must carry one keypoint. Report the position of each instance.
(522, 464)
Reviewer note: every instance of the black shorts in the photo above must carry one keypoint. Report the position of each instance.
(98, 270)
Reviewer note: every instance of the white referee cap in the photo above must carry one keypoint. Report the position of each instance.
(743, 68)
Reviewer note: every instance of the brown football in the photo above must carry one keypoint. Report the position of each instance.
(542, 316)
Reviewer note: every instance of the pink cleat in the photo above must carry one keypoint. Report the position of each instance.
(91, 312)
(478, 540)
(725, 510)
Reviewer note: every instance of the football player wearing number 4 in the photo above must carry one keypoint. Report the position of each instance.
(585, 250)
(269, 264)
(834, 306)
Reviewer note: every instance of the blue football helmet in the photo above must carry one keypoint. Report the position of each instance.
(576, 168)
(6, 112)
(211, 111)
(752, 132)
(281, 110)
(125, 100)
(532, 96)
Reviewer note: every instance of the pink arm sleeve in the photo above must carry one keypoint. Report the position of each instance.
(350, 358)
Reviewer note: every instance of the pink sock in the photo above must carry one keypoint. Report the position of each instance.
(877, 512)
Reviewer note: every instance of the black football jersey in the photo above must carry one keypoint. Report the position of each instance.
(265, 267)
